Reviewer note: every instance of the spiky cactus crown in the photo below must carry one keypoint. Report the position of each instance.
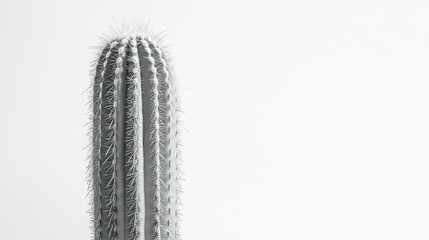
(134, 163)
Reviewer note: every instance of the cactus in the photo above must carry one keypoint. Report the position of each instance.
(134, 161)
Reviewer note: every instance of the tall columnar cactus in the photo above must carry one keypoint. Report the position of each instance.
(134, 168)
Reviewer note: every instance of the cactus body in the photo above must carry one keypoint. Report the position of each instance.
(134, 160)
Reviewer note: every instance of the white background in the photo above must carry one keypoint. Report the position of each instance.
(304, 119)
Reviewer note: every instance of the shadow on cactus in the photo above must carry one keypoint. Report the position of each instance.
(134, 167)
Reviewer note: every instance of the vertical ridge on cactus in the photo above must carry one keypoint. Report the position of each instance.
(151, 71)
(167, 115)
(134, 167)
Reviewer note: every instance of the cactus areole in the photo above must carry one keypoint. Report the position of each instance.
(134, 160)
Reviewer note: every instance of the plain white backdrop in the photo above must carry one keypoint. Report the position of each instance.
(305, 120)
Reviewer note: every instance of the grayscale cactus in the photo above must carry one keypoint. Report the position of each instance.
(134, 164)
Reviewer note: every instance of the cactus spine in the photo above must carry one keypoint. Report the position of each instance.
(134, 167)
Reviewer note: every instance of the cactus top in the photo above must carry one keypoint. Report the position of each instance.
(135, 160)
